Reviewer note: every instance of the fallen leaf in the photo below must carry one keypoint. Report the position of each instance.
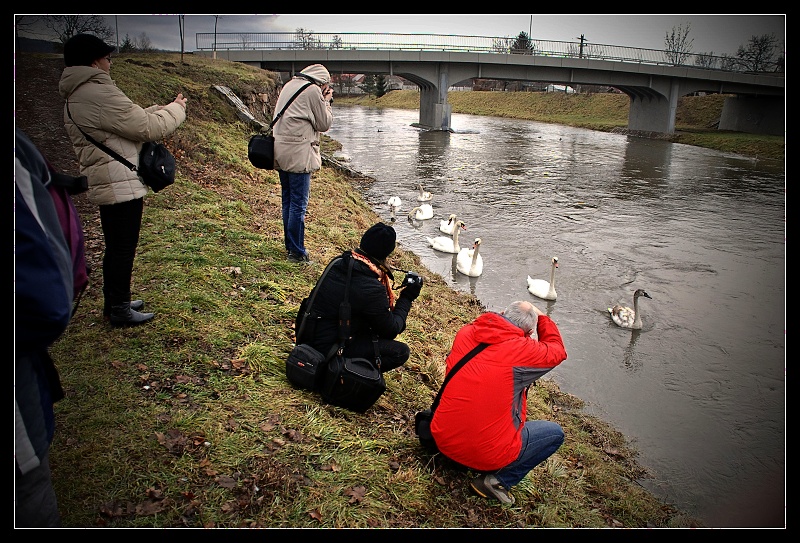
(315, 514)
(226, 482)
(356, 494)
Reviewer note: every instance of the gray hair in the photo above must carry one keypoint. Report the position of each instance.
(522, 315)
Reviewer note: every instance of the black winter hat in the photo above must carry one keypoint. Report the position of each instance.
(379, 241)
(83, 49)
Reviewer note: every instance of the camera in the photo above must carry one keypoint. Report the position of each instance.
(411, 278)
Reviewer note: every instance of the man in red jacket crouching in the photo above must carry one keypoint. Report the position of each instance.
(480, 421)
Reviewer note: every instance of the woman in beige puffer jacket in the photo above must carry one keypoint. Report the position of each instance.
(104, 112)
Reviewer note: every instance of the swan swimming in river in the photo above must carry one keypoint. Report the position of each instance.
(626, 317)
(545, 289)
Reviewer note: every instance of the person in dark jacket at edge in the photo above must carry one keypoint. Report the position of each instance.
(480, 421)
(43, 295)
(375, 309)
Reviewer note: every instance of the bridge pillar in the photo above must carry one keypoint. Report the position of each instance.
(754, 115)
(650, 114)
(434, 111)
(654, 112)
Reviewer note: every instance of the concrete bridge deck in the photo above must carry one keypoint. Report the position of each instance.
(757, 104)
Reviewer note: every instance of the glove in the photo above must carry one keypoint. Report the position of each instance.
(411, 285)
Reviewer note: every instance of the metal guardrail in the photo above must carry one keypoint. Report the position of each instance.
(252, 41)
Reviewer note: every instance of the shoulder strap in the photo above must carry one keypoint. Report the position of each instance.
(278, 116)
(344, 313)
(108, 150)
(478, 348)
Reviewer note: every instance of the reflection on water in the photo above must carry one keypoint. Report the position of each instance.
(700, 390)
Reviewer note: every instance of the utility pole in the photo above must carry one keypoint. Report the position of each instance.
(116, 25)
(216, 20)
(580, 55)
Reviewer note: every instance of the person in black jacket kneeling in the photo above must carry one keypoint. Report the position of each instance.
(375, 310)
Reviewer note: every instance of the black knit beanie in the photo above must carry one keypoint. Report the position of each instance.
(379, 241)
(83, 49)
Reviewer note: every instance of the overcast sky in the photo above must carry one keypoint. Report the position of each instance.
(718, 34)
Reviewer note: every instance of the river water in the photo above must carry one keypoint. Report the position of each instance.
(700, 391)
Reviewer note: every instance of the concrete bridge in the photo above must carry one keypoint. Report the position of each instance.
(757, 105)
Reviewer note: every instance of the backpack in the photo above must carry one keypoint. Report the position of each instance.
(60, 188)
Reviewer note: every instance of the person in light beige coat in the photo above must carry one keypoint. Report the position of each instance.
(102, 110)
(297, 155)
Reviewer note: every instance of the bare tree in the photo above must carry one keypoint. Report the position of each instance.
(727, 62)
(304, 39)
(502, 45)
(759, 55)
(678, 45)
(24, 23)
(143, 43)
(66, 26)
(336, 42)
(705, 60)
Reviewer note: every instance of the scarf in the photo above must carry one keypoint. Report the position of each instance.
(383, 277)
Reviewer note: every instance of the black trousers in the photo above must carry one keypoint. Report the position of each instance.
(393, 353)
(121, 224)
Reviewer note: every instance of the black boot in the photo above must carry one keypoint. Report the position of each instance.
(136, 305)
(123, 315)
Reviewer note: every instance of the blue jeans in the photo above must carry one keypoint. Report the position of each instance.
(540, 439)
(295, 188)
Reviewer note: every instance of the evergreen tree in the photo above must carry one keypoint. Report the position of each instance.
(369, 86)
(380, 85)
(127, 45)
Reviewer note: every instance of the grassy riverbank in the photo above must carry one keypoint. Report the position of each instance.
(189, 421)
(695, 120)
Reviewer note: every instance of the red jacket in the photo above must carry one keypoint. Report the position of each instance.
(480, 416)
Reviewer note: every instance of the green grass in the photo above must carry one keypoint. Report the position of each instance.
(189, 421)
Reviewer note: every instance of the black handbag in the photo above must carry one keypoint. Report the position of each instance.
(353, 383)
(156, 164)
(422, 419)
(261, 147)
(305, 367)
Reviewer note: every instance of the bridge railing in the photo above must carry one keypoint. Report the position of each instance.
(253, 41)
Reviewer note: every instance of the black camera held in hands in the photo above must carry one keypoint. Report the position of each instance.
(411, 285)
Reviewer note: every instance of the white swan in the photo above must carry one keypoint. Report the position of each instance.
(469, 261)
(448, 244)
(544, 289)
(446, 226)
(625, 316)
(423, 196)
(394, 204)
(421, 212)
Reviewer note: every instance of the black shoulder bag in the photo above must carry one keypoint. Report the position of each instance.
(422, 420)
(156, 164)
(261, 148)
